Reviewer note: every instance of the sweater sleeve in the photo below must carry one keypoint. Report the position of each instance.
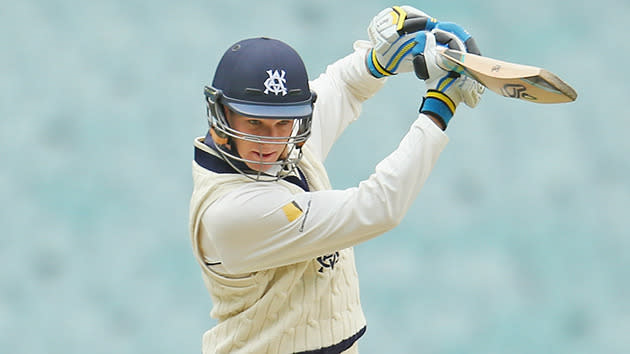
(341, 90)
(263, 225)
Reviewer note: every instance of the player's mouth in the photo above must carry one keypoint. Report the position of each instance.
(264, 156)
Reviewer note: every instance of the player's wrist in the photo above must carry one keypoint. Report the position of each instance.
(436, 120)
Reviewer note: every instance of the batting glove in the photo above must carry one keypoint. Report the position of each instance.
(392, 33)
(445, 89)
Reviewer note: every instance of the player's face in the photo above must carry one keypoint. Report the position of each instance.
(278, 130)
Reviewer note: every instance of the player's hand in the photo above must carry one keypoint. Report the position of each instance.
(449, 35)
(392, 33)
(445, 89)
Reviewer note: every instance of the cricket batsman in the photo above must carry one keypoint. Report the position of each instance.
(272, 237)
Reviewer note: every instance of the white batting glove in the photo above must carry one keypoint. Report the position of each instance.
(445, 89)
(392, 34)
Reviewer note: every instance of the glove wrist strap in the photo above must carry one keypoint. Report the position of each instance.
(376, 69)
(439, 105)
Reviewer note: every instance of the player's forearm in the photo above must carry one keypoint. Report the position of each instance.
(400, 176)
(379, 203)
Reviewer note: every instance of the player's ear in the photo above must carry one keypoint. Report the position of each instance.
(218, 137)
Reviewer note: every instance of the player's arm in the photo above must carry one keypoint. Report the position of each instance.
(347, 83)
(260, 226)
(341, 91)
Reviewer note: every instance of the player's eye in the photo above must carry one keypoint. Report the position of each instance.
(254, 122)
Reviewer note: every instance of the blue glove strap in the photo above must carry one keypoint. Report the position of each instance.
(439, 104)
(375, 68)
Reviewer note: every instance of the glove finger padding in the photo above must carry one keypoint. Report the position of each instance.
(466, 90)
(435, 37)
(416, 20)
(450, 35)
(448, 39)
(392, 34)
(470, 45)
(424, 56)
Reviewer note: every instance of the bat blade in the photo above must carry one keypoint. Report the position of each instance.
(524, 82)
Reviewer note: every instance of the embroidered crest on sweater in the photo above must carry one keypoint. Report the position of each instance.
(328, 261)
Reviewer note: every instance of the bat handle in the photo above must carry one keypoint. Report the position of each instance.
(447, 59)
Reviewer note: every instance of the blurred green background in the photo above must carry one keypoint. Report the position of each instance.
(519, 242)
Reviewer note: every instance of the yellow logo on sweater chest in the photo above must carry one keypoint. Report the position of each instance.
(292, 211)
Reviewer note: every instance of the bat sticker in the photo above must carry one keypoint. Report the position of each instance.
(517, 91)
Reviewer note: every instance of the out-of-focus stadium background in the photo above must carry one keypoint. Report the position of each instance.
(519, 242)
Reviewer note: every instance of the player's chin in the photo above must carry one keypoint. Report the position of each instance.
(258, 167)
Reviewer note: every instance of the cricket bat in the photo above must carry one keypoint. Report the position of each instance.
(523, 82)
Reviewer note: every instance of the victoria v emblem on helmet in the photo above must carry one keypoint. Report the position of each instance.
(275, 83)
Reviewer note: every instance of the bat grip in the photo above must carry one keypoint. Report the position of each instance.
(447, 59)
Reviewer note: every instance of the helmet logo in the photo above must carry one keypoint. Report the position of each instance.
(275, 83)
